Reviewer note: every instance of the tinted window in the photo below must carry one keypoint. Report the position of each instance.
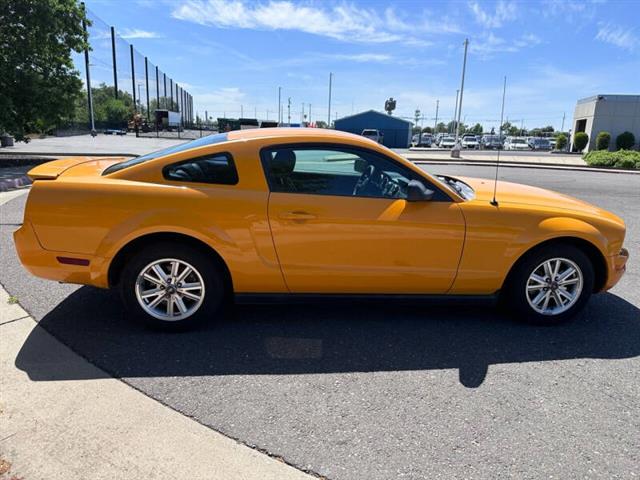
(338, 171)
(218, 168)
(208, 140)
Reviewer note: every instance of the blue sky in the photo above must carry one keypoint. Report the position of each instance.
(229, 53)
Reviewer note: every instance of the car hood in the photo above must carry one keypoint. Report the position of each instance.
(516, 193)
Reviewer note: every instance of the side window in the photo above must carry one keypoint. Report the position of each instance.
(218, 169)
(335, 171)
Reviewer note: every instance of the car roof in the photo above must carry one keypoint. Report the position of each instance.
(288, 132)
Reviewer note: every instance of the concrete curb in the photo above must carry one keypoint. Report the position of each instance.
(66, 154)
(545, 166)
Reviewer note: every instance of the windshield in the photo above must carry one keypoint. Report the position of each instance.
(201, 142)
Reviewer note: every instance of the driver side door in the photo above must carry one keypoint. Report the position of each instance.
(335, 230)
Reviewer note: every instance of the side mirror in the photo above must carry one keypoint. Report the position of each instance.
(417, 192)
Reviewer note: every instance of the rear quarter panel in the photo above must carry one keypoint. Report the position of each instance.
(98, 215)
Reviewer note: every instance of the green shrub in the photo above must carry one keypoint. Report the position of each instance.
(603, 140)
(625, 141)
(620, 159)
(580, 141)
(561, 142)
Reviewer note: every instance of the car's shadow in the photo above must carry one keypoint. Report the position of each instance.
(327, 338)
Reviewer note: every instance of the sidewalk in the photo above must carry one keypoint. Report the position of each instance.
(102, 428)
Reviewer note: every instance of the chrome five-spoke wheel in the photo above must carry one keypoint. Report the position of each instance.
(554, 286)
(170, 289)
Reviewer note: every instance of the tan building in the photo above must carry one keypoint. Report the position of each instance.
(607, 113)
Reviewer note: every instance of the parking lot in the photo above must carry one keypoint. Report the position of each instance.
(366, 390)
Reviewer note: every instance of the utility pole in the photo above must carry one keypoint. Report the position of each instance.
(241, 111)
(329, 114)
(279, 106)
(464, 67)
(562, 128)
(435, 126)
(289, 112)
(455, 112)
(309, 113)
(302, 114)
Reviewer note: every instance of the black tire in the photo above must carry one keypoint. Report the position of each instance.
(206, 266)
(515, 287)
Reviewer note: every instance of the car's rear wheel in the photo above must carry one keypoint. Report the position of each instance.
(551, 284)
(172, 287)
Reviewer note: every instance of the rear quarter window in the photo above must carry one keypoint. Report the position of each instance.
(218, 169)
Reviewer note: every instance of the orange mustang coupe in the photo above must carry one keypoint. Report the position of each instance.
(308, 212)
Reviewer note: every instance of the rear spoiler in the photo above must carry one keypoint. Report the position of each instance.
(52, 170)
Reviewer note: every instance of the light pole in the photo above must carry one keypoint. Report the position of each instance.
(435, 125)
(464, 67)
(455, 112)
(329, 111)
(289, 112)
(279, 106)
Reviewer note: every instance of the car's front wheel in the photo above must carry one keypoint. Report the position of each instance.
(172, 287)
(551, 284)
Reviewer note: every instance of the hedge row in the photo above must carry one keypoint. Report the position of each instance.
(621, 159)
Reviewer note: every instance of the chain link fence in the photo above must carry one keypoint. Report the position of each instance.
(125, 92)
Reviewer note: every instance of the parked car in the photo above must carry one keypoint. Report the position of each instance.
(425, 140)
(415, 140)
(516, 143)
(372, 134)
(537, 143)
(470, 141)
(448, 141)
(552, 143)
(491, 142)
(251, 213)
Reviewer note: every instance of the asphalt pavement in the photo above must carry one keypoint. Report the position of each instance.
(381, 391)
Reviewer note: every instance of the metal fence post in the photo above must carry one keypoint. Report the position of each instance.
(164, 96)
(171, 93)
(146, 79)
(133, 85)
(86, 65)
(113, 56)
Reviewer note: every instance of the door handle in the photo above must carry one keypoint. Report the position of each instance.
(297, 215)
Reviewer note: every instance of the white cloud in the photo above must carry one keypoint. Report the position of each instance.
(489, 44)
(363, 57)
(504, 12)
(343, 21)
(137, 33)
(617, 35)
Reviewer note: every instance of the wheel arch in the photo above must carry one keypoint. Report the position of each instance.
(132, 247)
(594, 254)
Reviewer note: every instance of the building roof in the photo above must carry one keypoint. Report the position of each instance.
(610, 98)
(366, 112)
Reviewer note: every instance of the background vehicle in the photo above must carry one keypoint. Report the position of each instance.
(552, 143)
(470, 141)
(490, 142)
(167, 120)
(424, 140)
(448, 141)
(307, 212)
(373, 134)
(536, 143)
(516, 143)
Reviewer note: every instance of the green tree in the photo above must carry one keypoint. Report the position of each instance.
(603, 140)
(427, 130)
(321, 124)
(38, 83)
(477, 129)
(441, 127)
(625, 141)
(561, 141)
(580, 141)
